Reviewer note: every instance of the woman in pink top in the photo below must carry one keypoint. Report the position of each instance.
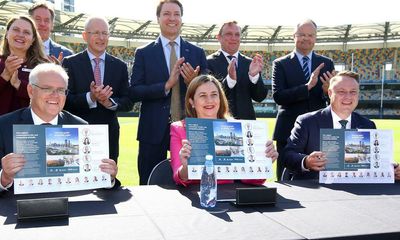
(204, 99)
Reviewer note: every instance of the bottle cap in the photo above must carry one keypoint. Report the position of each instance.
(209, 157)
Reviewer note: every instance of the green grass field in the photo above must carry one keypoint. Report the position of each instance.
(128, 151)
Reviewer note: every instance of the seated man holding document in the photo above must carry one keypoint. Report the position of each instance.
(47, 90)
(303, 155)
(204, 99)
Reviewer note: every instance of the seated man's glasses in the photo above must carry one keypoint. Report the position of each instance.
(48, 90)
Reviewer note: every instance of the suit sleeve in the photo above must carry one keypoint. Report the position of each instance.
(141, 88)
(294, 151)
(203, 62)
(124, 102)
(258, 91)
(282, 93)
(177, 135)
(75, 101)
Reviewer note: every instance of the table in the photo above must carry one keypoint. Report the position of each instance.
(304, 210)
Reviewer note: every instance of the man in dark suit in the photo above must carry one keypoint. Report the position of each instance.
(302, 153)
(43, 15)
(47, 90)
(160, 75)
(296, 88)
(98, 82)
(240, 75)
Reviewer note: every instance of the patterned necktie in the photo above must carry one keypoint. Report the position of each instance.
(96, 71)
(343, 123)
(305, 68)
(176, 113)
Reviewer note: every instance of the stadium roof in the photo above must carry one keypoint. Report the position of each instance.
(68, 23)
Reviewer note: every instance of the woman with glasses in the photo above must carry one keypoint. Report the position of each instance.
(21, 50)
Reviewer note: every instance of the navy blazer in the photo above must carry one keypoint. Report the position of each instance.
(304, 138)
(55, 49)
(239, 97)
(149, 75)
(24, 116)
(291, 94)
(80, 74)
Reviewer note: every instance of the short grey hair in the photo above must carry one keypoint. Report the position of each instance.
(91, 18)
(304, 22)
(47, 68)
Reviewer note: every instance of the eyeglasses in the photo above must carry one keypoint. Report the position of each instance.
(47, 90)
(98, 33)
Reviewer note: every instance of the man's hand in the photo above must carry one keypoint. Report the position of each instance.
(232, 69)
(174, 75)
(256, 65)
(325, 78)
(56, 60)
(314, 77)
(270, 151)
(188, 73)
(316, 161)
(11, 164)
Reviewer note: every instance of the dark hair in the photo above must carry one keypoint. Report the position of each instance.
(227, 23)
(42, 4)
(161, 3)
(35, 54)
(223, 111)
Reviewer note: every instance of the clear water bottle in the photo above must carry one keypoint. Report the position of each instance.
(208, 184)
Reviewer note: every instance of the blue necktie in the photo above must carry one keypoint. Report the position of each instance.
(305, 68)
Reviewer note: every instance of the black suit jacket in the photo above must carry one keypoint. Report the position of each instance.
(24, 116)
(149, 75)
(291, 94)
(80, 74)
(239, 97)
(304, 138)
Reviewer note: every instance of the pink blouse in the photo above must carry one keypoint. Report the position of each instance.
(178, 133)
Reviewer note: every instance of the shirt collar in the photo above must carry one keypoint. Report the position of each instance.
(165, 41)
(46, 45)
(38, 121)
(300, 56)
(336, 119)
(92, 56)
(236, 55)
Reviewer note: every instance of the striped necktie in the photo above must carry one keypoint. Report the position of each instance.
(305, 68)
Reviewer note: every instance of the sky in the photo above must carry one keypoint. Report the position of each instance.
(253, 12)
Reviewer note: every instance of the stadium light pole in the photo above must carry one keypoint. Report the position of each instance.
(383, 80)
